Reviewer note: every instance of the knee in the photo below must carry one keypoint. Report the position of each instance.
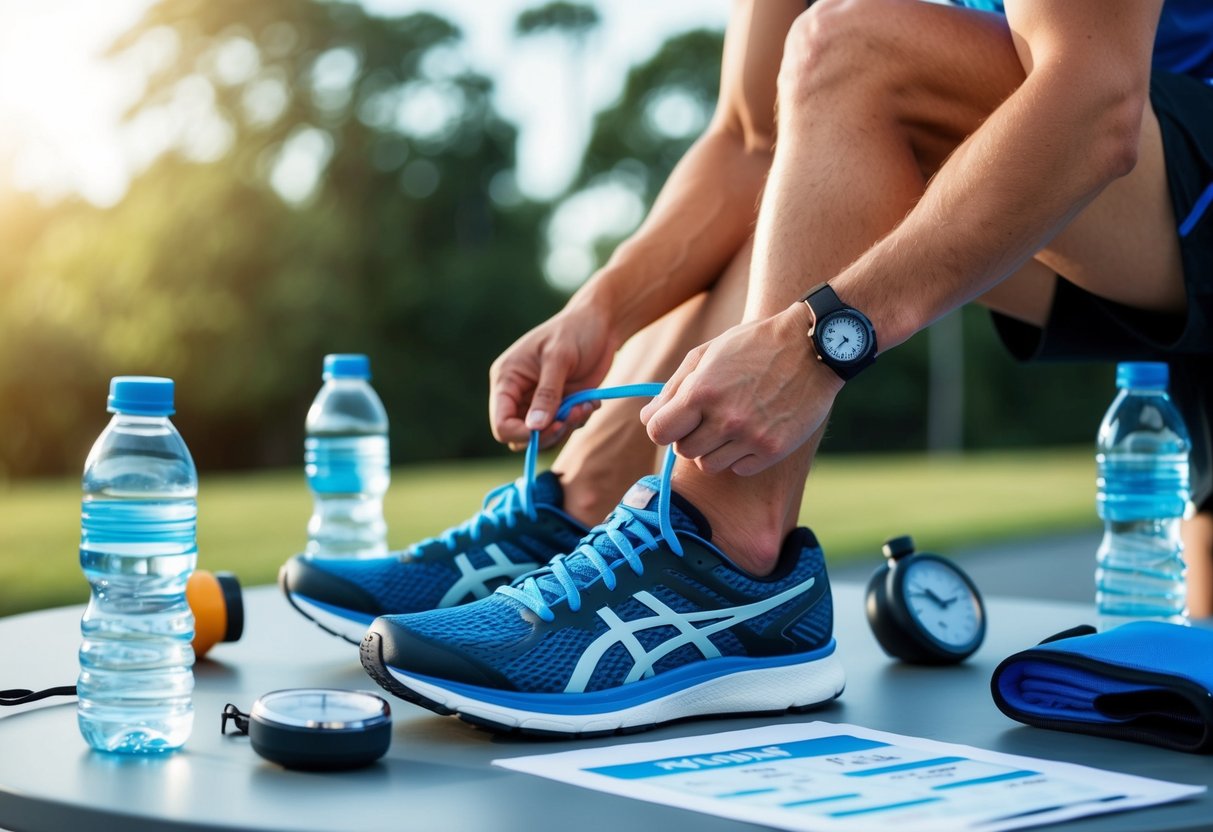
(837, 42)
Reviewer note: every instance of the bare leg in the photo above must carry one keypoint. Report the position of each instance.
(603, 459)
(847, 168)
(1198, 552)
(873, 97)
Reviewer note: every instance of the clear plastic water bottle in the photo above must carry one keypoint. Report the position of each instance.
(137, 549)
(347, 462)
(1142, 458)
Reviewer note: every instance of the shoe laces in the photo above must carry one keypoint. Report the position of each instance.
(501, 507)
(622, 539)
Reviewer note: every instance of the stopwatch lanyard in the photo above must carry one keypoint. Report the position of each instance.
(21, 696)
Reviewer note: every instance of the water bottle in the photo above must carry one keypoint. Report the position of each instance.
(346, 460)
(1142, 459)
(137, 549)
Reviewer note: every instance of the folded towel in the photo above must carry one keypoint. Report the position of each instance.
(1145, 681)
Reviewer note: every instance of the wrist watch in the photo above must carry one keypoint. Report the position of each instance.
(843, 336)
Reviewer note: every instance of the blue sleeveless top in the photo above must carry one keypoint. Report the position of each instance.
(1184, 44)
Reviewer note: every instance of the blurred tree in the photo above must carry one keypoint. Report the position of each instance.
(573, 23)
(330, 181)
(323, 179)
(666, 103)
(575, 20)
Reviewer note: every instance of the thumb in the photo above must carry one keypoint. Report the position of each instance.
(670, 388)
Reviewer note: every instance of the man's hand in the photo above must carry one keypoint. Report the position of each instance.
(570, 351)
(746, 399)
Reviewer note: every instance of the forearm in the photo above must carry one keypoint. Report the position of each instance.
(1002, 196)
(701, 218)
(706, 211)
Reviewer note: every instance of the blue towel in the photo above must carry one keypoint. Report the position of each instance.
(1145, 681)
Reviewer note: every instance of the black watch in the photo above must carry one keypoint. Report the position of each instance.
(843, 336)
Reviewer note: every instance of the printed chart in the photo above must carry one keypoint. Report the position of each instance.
(823, 776)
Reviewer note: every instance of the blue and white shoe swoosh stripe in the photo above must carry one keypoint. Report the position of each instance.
(694, 628)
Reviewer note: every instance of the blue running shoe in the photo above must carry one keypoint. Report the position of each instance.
(644, 623)
(520, 528)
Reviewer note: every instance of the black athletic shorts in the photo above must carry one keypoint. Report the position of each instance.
(1082, 326)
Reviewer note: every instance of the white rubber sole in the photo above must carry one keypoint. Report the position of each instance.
(752, 691)
(330, 622)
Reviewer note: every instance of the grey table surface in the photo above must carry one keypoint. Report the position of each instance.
(438, 772)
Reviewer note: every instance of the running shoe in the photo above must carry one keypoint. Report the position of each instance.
(645, 622)
(521, 527)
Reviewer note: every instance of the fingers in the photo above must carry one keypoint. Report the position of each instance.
(504, 415)
(715, 447)
(709, 432)
(667, 417)
(717, 460)
(527, 382)
(750, 465)
(514, 410)
(556, 432)
(548, 392)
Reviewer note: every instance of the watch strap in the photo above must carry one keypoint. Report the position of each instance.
(822, 300)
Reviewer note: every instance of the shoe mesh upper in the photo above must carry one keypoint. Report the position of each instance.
(494, 629)
(547, 666)
(615, 664)
(420, 579)
(816, 626)
(728, 644)
(683, 655)
(676, 602)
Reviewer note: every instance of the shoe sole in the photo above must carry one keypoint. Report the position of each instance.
(322, 616)
(768, 690)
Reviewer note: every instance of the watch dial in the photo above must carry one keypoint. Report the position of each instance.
(942, 603)
(843, 337)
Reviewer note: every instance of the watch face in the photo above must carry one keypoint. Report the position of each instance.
(940, 600)
(843, 337)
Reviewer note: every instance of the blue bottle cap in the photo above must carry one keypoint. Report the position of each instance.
(1142, 375)
(141, 396)
(346, 365)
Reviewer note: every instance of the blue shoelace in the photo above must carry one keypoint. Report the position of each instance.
(501, 507)
(629, 530)
(503, 504)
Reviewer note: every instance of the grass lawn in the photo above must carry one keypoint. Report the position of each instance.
(250, 523)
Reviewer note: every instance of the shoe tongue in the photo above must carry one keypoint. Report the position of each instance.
(646, 494)
(547, 490)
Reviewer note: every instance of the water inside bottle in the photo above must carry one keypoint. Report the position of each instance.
(136, 658)
(348, 476)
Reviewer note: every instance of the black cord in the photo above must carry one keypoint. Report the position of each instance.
(20, 696)
(234, 714)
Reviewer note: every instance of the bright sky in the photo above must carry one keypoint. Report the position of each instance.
(59, 104)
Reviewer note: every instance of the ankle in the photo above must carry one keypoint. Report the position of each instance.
(751, 534)
(756, 555)
(585, 503)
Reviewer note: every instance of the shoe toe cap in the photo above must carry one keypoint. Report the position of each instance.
(308, 577)
(406, 650)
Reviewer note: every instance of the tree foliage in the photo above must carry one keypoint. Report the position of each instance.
(327, 184)
(572, 19)
(629, 134)
(221, 271)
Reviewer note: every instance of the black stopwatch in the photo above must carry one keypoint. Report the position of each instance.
(923, 608)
